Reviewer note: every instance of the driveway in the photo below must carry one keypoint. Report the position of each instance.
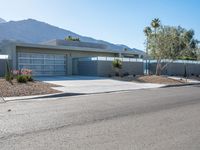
(89, 85)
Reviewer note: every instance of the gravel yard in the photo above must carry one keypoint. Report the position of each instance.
(150, 79)
(159, 80)
(25, 89)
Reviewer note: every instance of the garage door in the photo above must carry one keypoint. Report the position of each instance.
(43, 64)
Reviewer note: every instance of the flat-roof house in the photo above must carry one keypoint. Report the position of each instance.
(55, 57)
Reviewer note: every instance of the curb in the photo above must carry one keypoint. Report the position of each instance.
(180, 85)
(57, 95)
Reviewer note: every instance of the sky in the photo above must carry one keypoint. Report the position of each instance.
(116, 21)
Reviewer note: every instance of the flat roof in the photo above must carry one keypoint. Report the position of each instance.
(73, 48)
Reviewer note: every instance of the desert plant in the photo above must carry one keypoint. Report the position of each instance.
(26, 72)
(8, 75)
(117, 64)
(22, 79)
(29, 78)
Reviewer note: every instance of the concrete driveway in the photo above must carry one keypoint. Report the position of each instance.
(89, 85)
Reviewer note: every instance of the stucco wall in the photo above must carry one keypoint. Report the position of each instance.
(105, 68)
(3, 67)
(87, 68)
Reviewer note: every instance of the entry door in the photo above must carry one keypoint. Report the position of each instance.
(43, 64)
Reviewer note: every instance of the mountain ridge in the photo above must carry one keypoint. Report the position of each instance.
(34, 31)
(2, 20)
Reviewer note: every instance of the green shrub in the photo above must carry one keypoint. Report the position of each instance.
(22, 79)
(117, 63)
(29, 78)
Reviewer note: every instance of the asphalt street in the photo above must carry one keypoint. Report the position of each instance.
(151, 119)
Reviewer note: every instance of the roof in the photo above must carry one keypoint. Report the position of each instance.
(73, 48)
(57, 42)
(64, 48)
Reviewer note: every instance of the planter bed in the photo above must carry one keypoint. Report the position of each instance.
(25, 89)
(150, 79)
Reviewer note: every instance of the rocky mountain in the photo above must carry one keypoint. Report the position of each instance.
(2, 20)
(33, 31)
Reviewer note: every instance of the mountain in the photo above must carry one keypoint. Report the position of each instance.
(33, 31)
(2, 20)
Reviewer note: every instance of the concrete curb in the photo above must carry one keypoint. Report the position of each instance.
(64, 94)
(57, 95)
(180, 85)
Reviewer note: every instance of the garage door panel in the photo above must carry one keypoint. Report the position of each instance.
(43, 64)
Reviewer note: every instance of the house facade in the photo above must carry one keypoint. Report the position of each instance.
(55, 58)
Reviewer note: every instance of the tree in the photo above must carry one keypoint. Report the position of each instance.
(147, 31)
(155, 24)
(167, 42)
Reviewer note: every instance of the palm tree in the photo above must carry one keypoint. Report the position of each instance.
(155, 23)
(147, 32)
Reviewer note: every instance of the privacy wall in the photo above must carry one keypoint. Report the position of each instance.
(104, 68)
(178, 69)
(3, 67)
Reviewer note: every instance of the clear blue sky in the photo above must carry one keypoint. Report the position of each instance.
(117, 21)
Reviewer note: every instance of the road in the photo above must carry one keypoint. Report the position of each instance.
(151, 119)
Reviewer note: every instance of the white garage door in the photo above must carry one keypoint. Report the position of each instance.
(43, 64)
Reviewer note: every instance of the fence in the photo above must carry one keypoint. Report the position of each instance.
(3, 60)
(102, 66)
(177, 68)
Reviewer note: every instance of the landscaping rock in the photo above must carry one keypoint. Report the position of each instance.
(25, 89)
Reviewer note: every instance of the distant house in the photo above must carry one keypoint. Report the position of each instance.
(55, 57)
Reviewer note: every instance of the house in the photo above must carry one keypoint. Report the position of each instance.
(54, 58)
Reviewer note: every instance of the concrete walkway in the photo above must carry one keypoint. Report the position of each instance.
(89, 85)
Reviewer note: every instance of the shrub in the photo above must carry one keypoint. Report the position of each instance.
(23, 75)
(26, 72)
(70, 38)
(29, 78)
(22, 78)
(126, 74)
(117, 63)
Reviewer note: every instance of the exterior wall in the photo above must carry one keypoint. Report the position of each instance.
(177, 69)
(3, 67)
(86, 68)
(105, 68)
(10, 50)
(133, 68)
